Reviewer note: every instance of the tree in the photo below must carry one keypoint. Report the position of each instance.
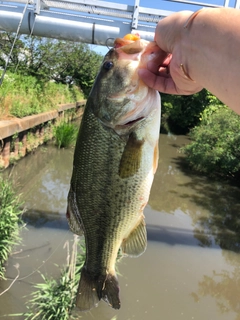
(215, 146)
(51, 59)
(181, 113)
(6, 43)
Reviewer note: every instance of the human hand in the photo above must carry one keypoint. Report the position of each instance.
(172, 73)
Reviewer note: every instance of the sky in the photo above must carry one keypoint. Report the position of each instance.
(164, 5)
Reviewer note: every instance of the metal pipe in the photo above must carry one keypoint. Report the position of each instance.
(70, 27)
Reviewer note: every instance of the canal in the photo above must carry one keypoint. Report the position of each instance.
(191, 268)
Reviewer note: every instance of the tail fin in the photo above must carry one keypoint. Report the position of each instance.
(92, 290)
(110, 291)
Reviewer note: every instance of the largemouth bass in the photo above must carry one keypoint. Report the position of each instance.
(116, 156)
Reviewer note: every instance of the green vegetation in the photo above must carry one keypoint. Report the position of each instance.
(65, 134)
(213, 128)
(26, 95)
(181, 113)
(215, 146)
(66, 63)
(55, 299)
(43, 73)
(10, 218)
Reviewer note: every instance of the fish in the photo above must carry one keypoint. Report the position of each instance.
(115, 159)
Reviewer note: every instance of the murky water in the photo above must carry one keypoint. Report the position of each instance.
(191, 269)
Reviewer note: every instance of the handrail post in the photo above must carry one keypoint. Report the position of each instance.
(135, 14)
(37, 6)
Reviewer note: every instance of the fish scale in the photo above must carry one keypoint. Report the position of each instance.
(113, 169)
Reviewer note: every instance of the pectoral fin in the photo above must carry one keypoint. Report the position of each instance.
(131, 157)
(73, 215)
(136, 243)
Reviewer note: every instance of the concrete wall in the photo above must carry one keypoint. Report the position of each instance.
(15, 134)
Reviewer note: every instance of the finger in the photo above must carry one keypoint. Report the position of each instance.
(153, 67)
(167, 60)
(157, 65)
(164, 72)
(160, 83)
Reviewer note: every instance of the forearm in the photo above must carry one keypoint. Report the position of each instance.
(210, 51)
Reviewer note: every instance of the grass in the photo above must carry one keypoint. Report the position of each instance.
(10, 217)
(65, 134)
(25, 95)
(55, 299)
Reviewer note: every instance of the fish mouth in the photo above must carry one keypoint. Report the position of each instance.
(131, 122)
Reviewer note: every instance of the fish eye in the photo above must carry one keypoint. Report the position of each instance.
(108, 65)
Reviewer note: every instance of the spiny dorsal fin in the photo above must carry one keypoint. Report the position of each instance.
(136, 242)
(131, 157)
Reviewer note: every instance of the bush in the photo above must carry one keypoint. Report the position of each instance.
(65, 134)
(215, 146)
(10, 217)
(181, 113)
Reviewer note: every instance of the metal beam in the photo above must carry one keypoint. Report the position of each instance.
(71, 27)
(87, 21)
(237, 4)
(80, 20)
(197, 3)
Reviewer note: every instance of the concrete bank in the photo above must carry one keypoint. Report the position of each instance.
(20, 136)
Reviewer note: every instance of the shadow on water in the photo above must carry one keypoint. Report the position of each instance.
(46, 219)
(171, 236)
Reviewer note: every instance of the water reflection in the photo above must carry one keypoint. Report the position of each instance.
(213, 206)
(224, 286)
(46, 179)
(191, 267)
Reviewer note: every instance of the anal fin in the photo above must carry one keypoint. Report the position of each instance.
(136, 243)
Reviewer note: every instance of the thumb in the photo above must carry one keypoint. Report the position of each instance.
(170, 29)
